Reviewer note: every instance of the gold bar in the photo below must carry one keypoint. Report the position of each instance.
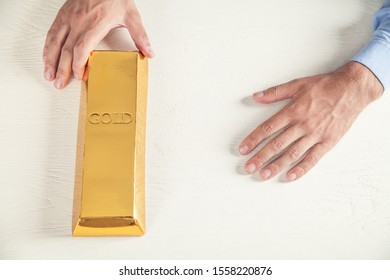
(109, 197)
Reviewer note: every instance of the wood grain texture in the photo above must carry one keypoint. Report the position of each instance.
(210, 56)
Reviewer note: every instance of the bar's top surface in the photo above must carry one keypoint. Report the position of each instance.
(108, 178)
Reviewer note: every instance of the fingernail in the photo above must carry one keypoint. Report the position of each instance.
(250, 168)
(258, 94)
(151, 52)
(266, 173)
(58, 84)
(244, 149)
(292, 176)
(76, 76)
(48, 76)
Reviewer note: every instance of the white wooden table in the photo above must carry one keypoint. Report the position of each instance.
(210, 57)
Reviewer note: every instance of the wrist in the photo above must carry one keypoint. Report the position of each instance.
(362, 80)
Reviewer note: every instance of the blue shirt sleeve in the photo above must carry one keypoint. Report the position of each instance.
(376, 54)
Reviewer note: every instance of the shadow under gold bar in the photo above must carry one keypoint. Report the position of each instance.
(109, 196)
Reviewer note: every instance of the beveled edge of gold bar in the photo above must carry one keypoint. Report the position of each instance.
(140, 139)
(132, 227)
(78, 178)
(102, 222)
(119, 226)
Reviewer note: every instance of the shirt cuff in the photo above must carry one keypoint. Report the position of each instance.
(376, 57)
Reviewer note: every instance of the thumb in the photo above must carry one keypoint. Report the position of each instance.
(137, 31)
(277, 93)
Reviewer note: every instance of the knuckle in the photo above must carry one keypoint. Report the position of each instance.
(259, 159)
(252, 139)
(295, 83)
(277, 145)
(301, 169)
(272, 91)
(294, 154)
(49, 61)
(61, 72)
(295, 108)
(49, 64)
(79, 13)
(80, 45)
(274, 167)
(267, 128)
(312, 158)
(67, 50)
(95, 17)
(51, 34)
(309, 125)
(329, 142)
(52, 39)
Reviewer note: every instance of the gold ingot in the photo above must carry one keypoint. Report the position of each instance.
(109, 197)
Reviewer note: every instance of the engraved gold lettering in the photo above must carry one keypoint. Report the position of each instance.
(105, 118)
(126, 117)
(110, 118)
(94, 118)
(115, 118)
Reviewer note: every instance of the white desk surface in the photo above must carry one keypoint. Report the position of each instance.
(210, 57)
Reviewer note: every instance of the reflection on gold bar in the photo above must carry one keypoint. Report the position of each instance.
(109, 197)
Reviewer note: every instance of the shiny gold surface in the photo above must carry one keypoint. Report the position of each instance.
(109, 181)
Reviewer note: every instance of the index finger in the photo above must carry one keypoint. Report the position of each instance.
(51, 35)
